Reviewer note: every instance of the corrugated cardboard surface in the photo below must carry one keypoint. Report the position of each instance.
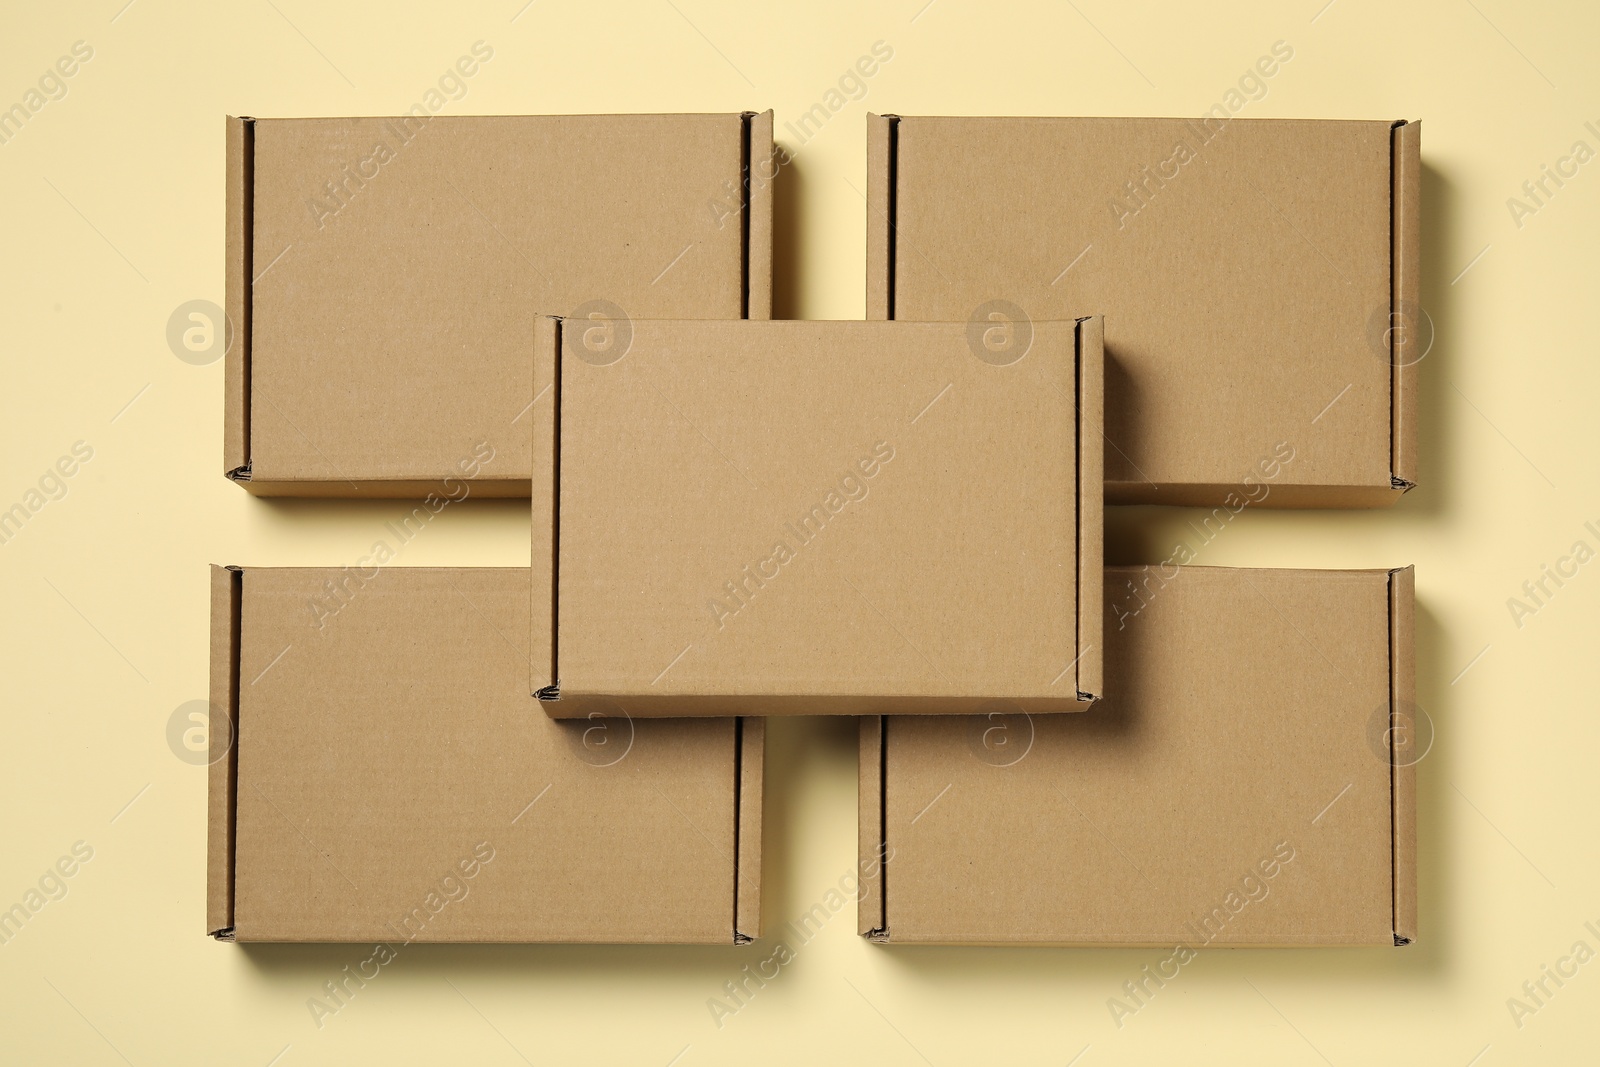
(819, 516)
(1245, 722)
(384, 276)
(1244, 270)
(380, 756)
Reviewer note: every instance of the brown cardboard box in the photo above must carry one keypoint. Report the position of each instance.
(393, 781)
(827, 517)
(1259, 279)
(1249, 780)
(384, 274)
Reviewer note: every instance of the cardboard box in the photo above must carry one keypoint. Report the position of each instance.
(1249, 780)
(393, 781)
(768, 518)
(384, 274)
(1259, 279)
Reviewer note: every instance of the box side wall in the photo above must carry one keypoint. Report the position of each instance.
(1410, 338)
(880, 216)
(221, 775)
(573, 702)
(1402, 634)
(1091, 505)
(750, 807)
(870, 921)
(545, 426)
(396, 489)
(760, 173)
(236, 361)
(1214, 494)
(1164, 945)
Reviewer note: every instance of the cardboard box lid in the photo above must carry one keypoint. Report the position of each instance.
(1246, 729)
(1259, 280)
(385, 754)
(778, 517)
(384, 275)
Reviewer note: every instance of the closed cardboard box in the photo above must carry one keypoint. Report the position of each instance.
(380, 774)
(384, 274)
(1259, 279)
(754, 518)
(1249, 779)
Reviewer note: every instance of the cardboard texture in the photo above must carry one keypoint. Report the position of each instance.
(384, 274)
(1259, 279)
(827, 517)
(1246, 781)
(393, 780)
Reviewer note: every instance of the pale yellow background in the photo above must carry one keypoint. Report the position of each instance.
(113, 216)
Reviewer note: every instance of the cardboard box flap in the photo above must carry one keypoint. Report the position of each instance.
(1280, 817)
(397, 783)
(763, 518)
(355, 374)
(1286, 335)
